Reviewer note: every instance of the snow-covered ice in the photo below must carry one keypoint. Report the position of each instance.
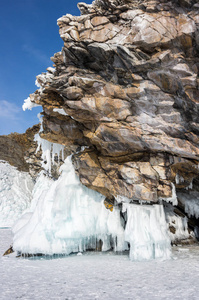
(15, 193)
(96, 275)
(66, 217)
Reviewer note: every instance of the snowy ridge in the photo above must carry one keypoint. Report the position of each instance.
(15, 193)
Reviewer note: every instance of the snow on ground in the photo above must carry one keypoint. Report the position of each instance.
(95, 275)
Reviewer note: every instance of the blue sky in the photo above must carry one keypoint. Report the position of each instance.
(29, 36)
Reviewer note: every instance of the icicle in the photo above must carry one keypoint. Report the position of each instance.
(190, 186)
(49, 150)
(191, 203)
(56, 149)
(179, 179)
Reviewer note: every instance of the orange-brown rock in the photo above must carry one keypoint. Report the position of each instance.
(19, 150)
(126, 86)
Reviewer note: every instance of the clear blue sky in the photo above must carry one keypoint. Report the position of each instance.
(29, 36)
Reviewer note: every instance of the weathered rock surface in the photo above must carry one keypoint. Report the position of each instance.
(126, 86)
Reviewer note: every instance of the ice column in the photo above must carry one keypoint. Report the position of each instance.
(147, 232)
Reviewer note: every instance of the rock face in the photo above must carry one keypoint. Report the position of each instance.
(19, 150)
(126, 87)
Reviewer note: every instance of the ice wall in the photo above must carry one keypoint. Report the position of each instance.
(15, 193)
(147, 232)
(66, 217)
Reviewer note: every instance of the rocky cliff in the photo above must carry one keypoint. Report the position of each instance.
(19, 150)
(125, 88)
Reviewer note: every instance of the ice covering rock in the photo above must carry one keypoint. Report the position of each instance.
(15, 193)
(66, 217)
(177, 224)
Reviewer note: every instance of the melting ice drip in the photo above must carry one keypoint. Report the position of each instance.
(67, 217)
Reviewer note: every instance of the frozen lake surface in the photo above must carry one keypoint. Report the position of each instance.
(96, 275)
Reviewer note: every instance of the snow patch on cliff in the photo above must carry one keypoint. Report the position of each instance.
(28, 104)
(60, 111)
